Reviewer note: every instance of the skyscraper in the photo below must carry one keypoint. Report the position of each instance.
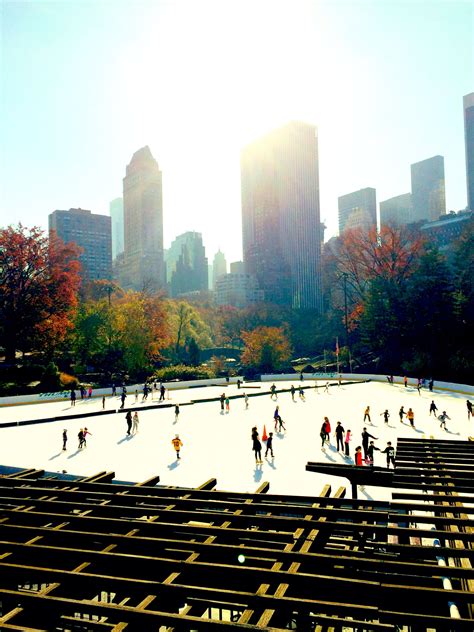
(468, 102)
(143, 264)
(116, 213)
(90, 231)
(357, 210)
(219, 267)
(280, 215)
(186, 264)
(427, 189)
(396, 210)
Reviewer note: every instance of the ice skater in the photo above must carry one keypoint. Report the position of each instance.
(469, 409)
(73, 397)
(410, 415)
(269, 445)
(323, 434)
(370, 453)
(326, 387)
(386, 415)
(246, 400)
(114, 390)
(222, 401)
(301, 394)
(176, 413)
(273, 393)
(123, 397)
(276, 414)
(442, 418)
(401, 414)
(292, 391)
(339, 434)
(162, 393)
(177, 444)
(103, 402)
(405, 382)
(128, 418)
(80, 436)
(358, 456)
(433, 408)
(135, 422)
(256, 445)
(280, 424)
(64, 439)
(347, 440)
(85, 433)
(367, 415)
(365, 441)
(227, 404)
(136, 395)
(390, 452)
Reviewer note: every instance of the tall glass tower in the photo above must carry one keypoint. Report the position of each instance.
(280, 215)
(468, 102)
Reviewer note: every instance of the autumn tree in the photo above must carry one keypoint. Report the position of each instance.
(39, 281)
(186, 324)
(265, 348)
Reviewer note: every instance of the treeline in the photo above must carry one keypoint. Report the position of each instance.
(390, 294)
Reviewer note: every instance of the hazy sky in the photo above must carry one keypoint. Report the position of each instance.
(86, 83)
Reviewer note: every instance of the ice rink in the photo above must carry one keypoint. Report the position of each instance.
(219, 445)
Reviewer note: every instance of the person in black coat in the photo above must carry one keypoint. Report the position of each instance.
(365, 441)
(128, 417)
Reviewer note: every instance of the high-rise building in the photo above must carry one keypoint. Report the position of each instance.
(116, 213)
(219, 267)
(428, 195)
(90, 231)
(280, 215)
(468, 102)
(186, 264)
(143, 263)
(238, 288)
(357, 210)
(396, 210)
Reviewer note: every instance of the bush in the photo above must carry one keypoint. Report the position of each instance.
(183, 372)
(50, 378)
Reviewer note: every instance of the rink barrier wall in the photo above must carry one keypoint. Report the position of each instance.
(59, 396)
(465, 389)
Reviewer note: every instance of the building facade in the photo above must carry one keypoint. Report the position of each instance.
(357, 210)
(468, 102)
(237, 289)
(90, 231)
(219, 267)
(396, 211)
(116, 213)
(428, 194)
(280, 215)
(143, 262)
(447, 230)
(186, 264)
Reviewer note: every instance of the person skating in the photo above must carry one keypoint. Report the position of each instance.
(347, 440)
(280, 424)
(114, 390)
(89, 392)
(222, 401)
(386, 415)
(122, 398)
(365, 441)
(442, 418)
(256, 445)
(390, 452)
(322, 434)
(367, 415)
(176, 413)
(433, 408)
(276, 414)
(431, 384)
(145, 392)
(269, 445)
(135, 422)
(301, 394)
(64, 438)
(162, 393)
(410, 415)
(227, 404)
(358, 456)
(238, 384)
(327, 425)
(405, 382)
(273, 392)
(326, 387)
(128, 418)
(80, 436)
(246, 400)
(177, 444)
(370, 453)
(73, 397)
(136, 395)
(84, 435)
(292, 391)
(469, 409)
(103, 402)
(339, 434)
(401, 414)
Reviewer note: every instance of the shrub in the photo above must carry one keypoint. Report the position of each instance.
(68, 381)
(50, 378)
(183, 372)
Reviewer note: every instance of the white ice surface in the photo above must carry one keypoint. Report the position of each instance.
(220, 446)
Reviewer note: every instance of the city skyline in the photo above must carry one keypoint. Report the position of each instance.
(86, 84)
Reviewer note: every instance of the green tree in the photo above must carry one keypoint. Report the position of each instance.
(265, 348)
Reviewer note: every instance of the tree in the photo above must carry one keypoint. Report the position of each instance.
(266, 348)
(39, 281)
(186, 323)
